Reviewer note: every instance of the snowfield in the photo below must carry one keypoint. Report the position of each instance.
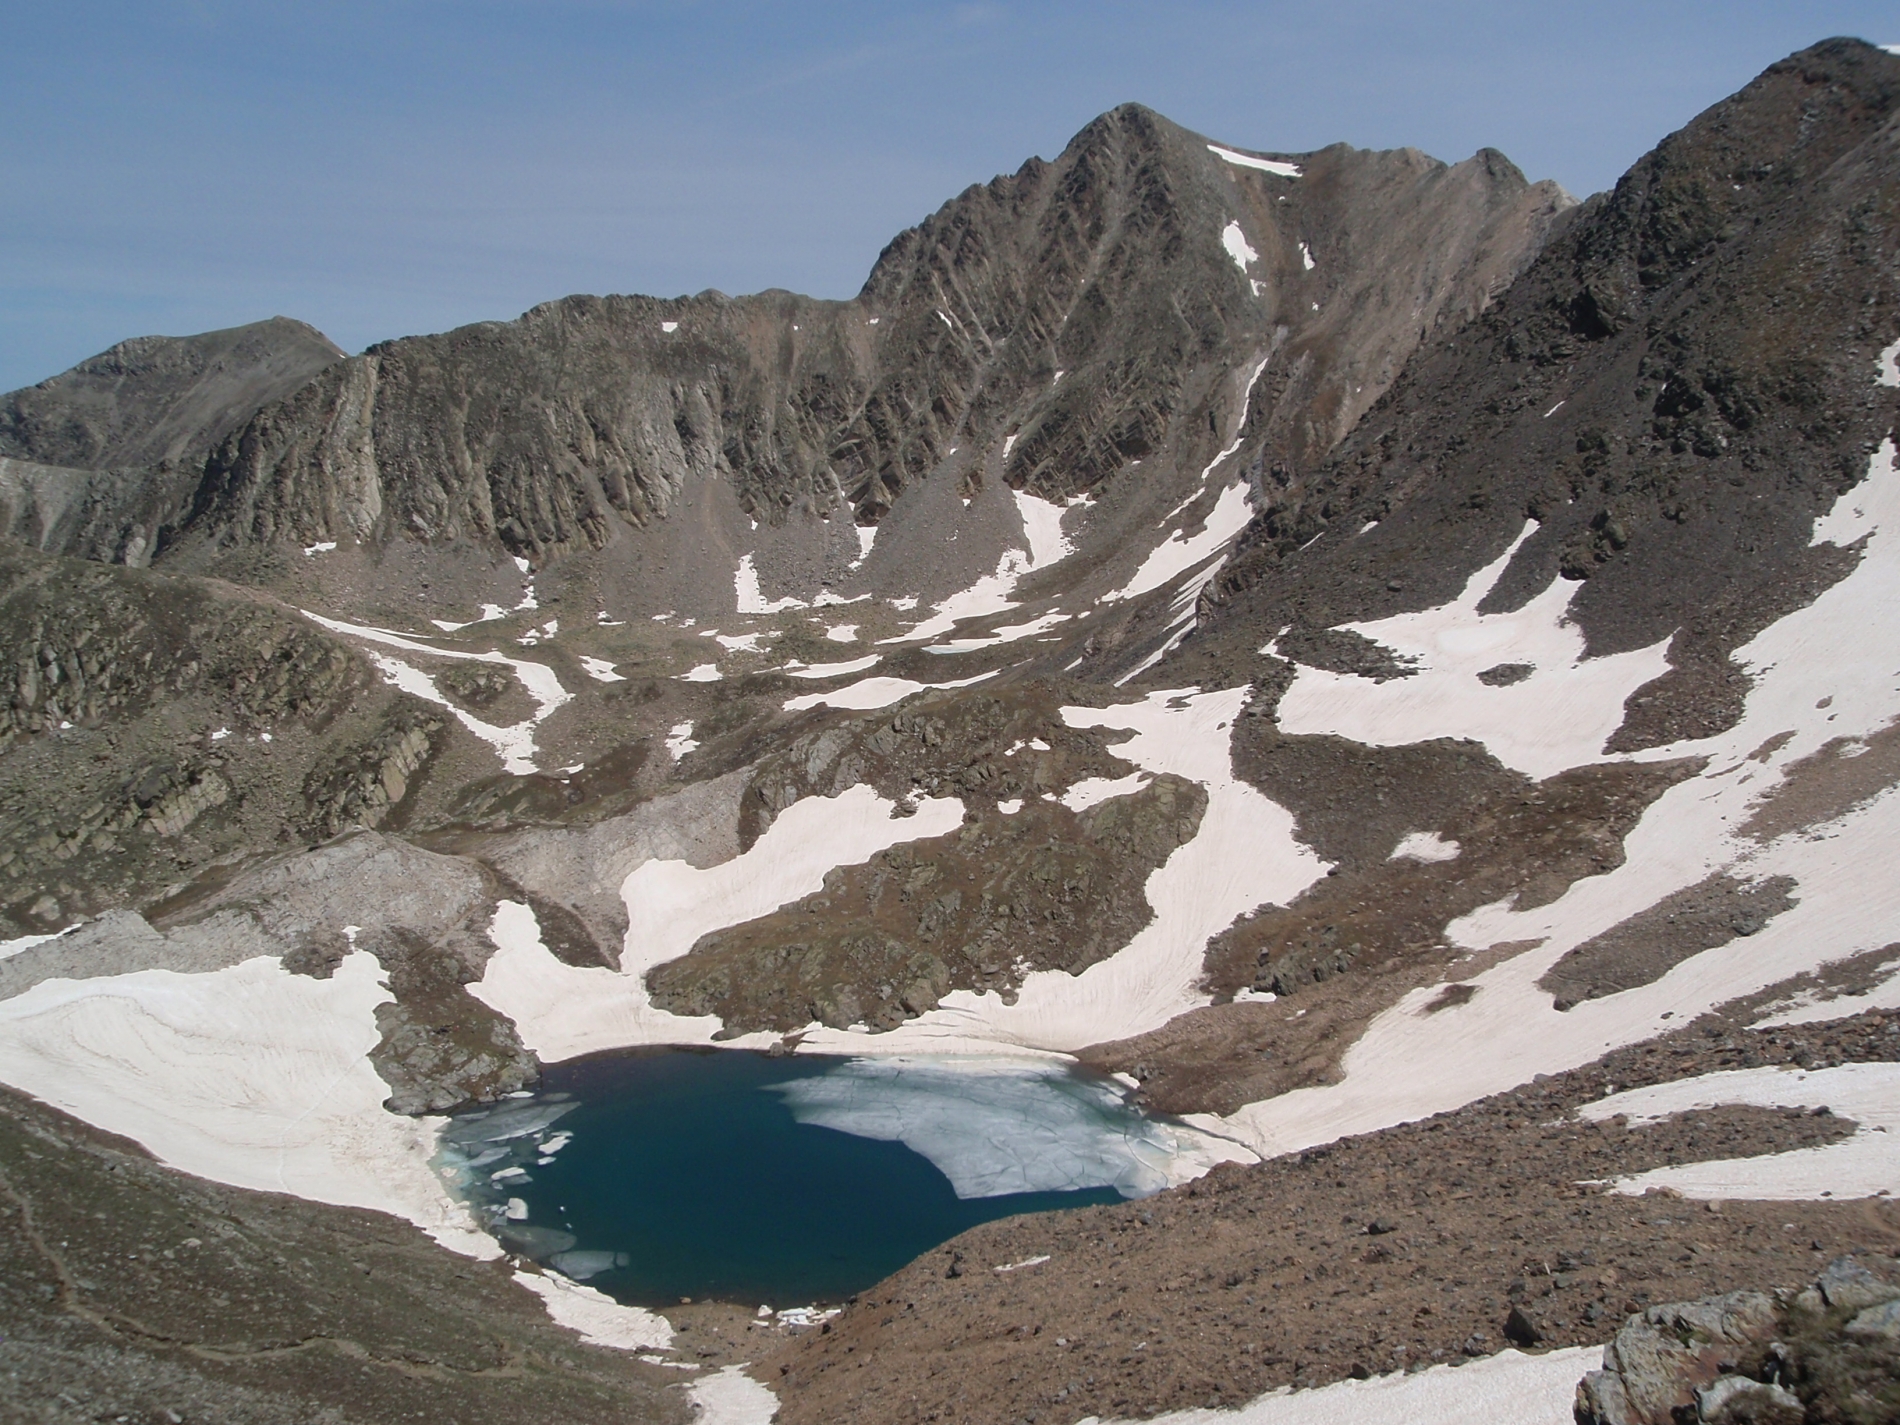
(1810, 683)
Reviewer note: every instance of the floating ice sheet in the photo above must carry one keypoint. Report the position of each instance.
(995, 1126)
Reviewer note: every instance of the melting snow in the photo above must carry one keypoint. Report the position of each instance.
(679, 740)
(842, 633)
(1180, 552)
(598, 1317)
(740, 642)
(563, 1010)
(248, 1075)
(836, 670)
(1408, 1065)
(601, 670)
(1558, 717)
(324, 547)
(1235, 241)
(516, 742)
(1887, 369)
(871, 693)
(867, 536)
(1425, 846)
(701, 673)
(731, 1397)
(1247, 160)
(669, 326)
(745, 588)
(1528, 1390)
(1306, 256)
(1865, 1165)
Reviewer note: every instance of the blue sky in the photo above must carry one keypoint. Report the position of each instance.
(379, 169)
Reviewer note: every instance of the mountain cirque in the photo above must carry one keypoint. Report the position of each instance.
(1392, 661)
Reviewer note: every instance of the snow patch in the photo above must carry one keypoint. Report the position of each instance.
(1306, 256)
(310, 551)
(598, 1317)
(249, 1076)
(1864, 1165)
(1528, 1390)
(701, 673)
(564, 1010)
(1180, 552)
(868, 694)
(1247, 160)
(730, 1396)
(679, 740)
(669, 326)
(842, 633)
(1558, 717)
(837, 670)
(601, 670)
(1408, 1066)
(1425, 846)
(514, 743)
(746, 593)
(1235, 241)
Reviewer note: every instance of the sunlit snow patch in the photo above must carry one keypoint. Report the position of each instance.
(836, 670)
(701, 673)
(1821, 673)
(1425, 846)
(1247, 160)
(746, 592)
(1180, 552)
(1526, 1390)
(249, 1076)
(1235, 241)
(601, 670)
(514, 743)
(1306, 256)
(1887, 370)
(731, 1397)
(1865, 1165)
(598, 1317)
(563, 1010)
(1558, 717)
(994, 1127)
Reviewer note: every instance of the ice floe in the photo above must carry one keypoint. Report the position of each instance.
(997, 1126)
(1866, 1164)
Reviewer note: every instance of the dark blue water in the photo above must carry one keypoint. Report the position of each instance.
(686, 1176)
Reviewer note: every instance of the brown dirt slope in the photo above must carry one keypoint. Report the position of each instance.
(130, 1291)
(1383, 1252)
